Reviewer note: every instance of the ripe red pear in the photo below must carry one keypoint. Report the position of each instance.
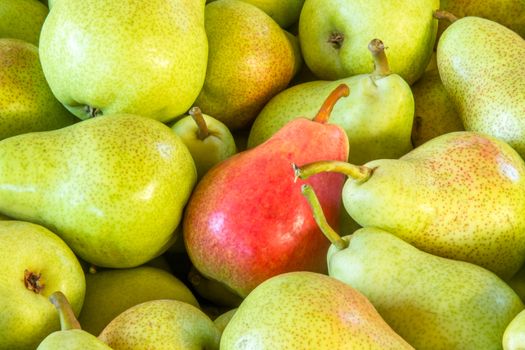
(247, 220)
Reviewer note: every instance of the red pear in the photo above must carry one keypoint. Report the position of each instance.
(247, 219)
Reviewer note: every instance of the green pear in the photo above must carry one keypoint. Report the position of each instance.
(308, 310)
(139, 57)
(510, 13)
(22, 19)
(296, 47)
(481, 65)
(34, 263)
(110, 292)
(161, 324)
(514, 336)
(71, 336)
(460, 196)
(250, 60)
(435, 113)
(222, 320)
(334, 35)
(449, 304)
(26, 102)
(284, 12)
(113, 187)
(377, 115)
(208, 140)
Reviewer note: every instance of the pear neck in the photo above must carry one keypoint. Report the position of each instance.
(68, 320)
(326, 109)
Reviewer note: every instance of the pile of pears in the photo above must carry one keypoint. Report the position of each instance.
(262, 174)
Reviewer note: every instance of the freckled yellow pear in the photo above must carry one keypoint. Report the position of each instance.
(308, 310)
(113, 187)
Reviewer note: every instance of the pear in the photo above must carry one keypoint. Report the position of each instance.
(449, 304)
(435, 113)
(481, 65)
(334, 35)
(245, 221)
(110, 292)
(22, 19)
(296, 47)
(460, 196)
(26, 102)
(71, 336)
(517, 283)
(161, 324)
(510, 13)
(377, 116)
(153, 65)
(250, 60)
(514, 336)
(34, 263)
(307, 310)
(208, 140)
(222, 320)
(112, 187)
(284, 12)
(213, 291)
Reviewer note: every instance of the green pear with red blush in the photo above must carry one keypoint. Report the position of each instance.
(247, 221)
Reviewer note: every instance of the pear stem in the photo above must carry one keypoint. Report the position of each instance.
(359, 173)
(324, 113)
(441, 14)
(67, 317)
(320, 219)
(196, 114)
(377, 49)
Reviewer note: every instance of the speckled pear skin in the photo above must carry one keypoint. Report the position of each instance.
(250, 60)
(112, 187)
(435, 113)
(377, 116)
(459, 196)
(154, 65)
(161, 324)
(510, 13)
(26, 102)
(514, 336)
(22, 19)
(284, 12)
(110, 292)
(306, 310)
(74, 339)
(406, 27)
(432, 302)
(28, 317)
(481, 65)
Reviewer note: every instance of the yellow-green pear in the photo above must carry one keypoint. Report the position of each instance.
(132, 56)
(334, 35)
(481, 65)
(308, 310)
(22, 19)
(460, 196)
(161, 324)
(250, 60)
(113, 187)
(514, 336)
(110, 292)
(71, 336)
(223, 319)
(34, 263)
(284, 12)
(435, 112)
(26, 102)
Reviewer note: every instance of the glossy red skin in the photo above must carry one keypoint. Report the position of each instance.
(248, 221)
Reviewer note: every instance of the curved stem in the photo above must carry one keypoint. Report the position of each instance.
(320, 219)
(441, 14)
(359, 173)
(377, 49)
(324, 113)
(67, 317)
(196, 114)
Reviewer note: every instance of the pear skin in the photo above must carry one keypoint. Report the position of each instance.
(284, 12)
(22, 19)
(113, 187)
(514, 336)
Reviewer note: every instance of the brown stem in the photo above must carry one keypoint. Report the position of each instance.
(441, 14)
(359, 173)
(324, 113)
(377, 49)
(67, 317)
(196, 114)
